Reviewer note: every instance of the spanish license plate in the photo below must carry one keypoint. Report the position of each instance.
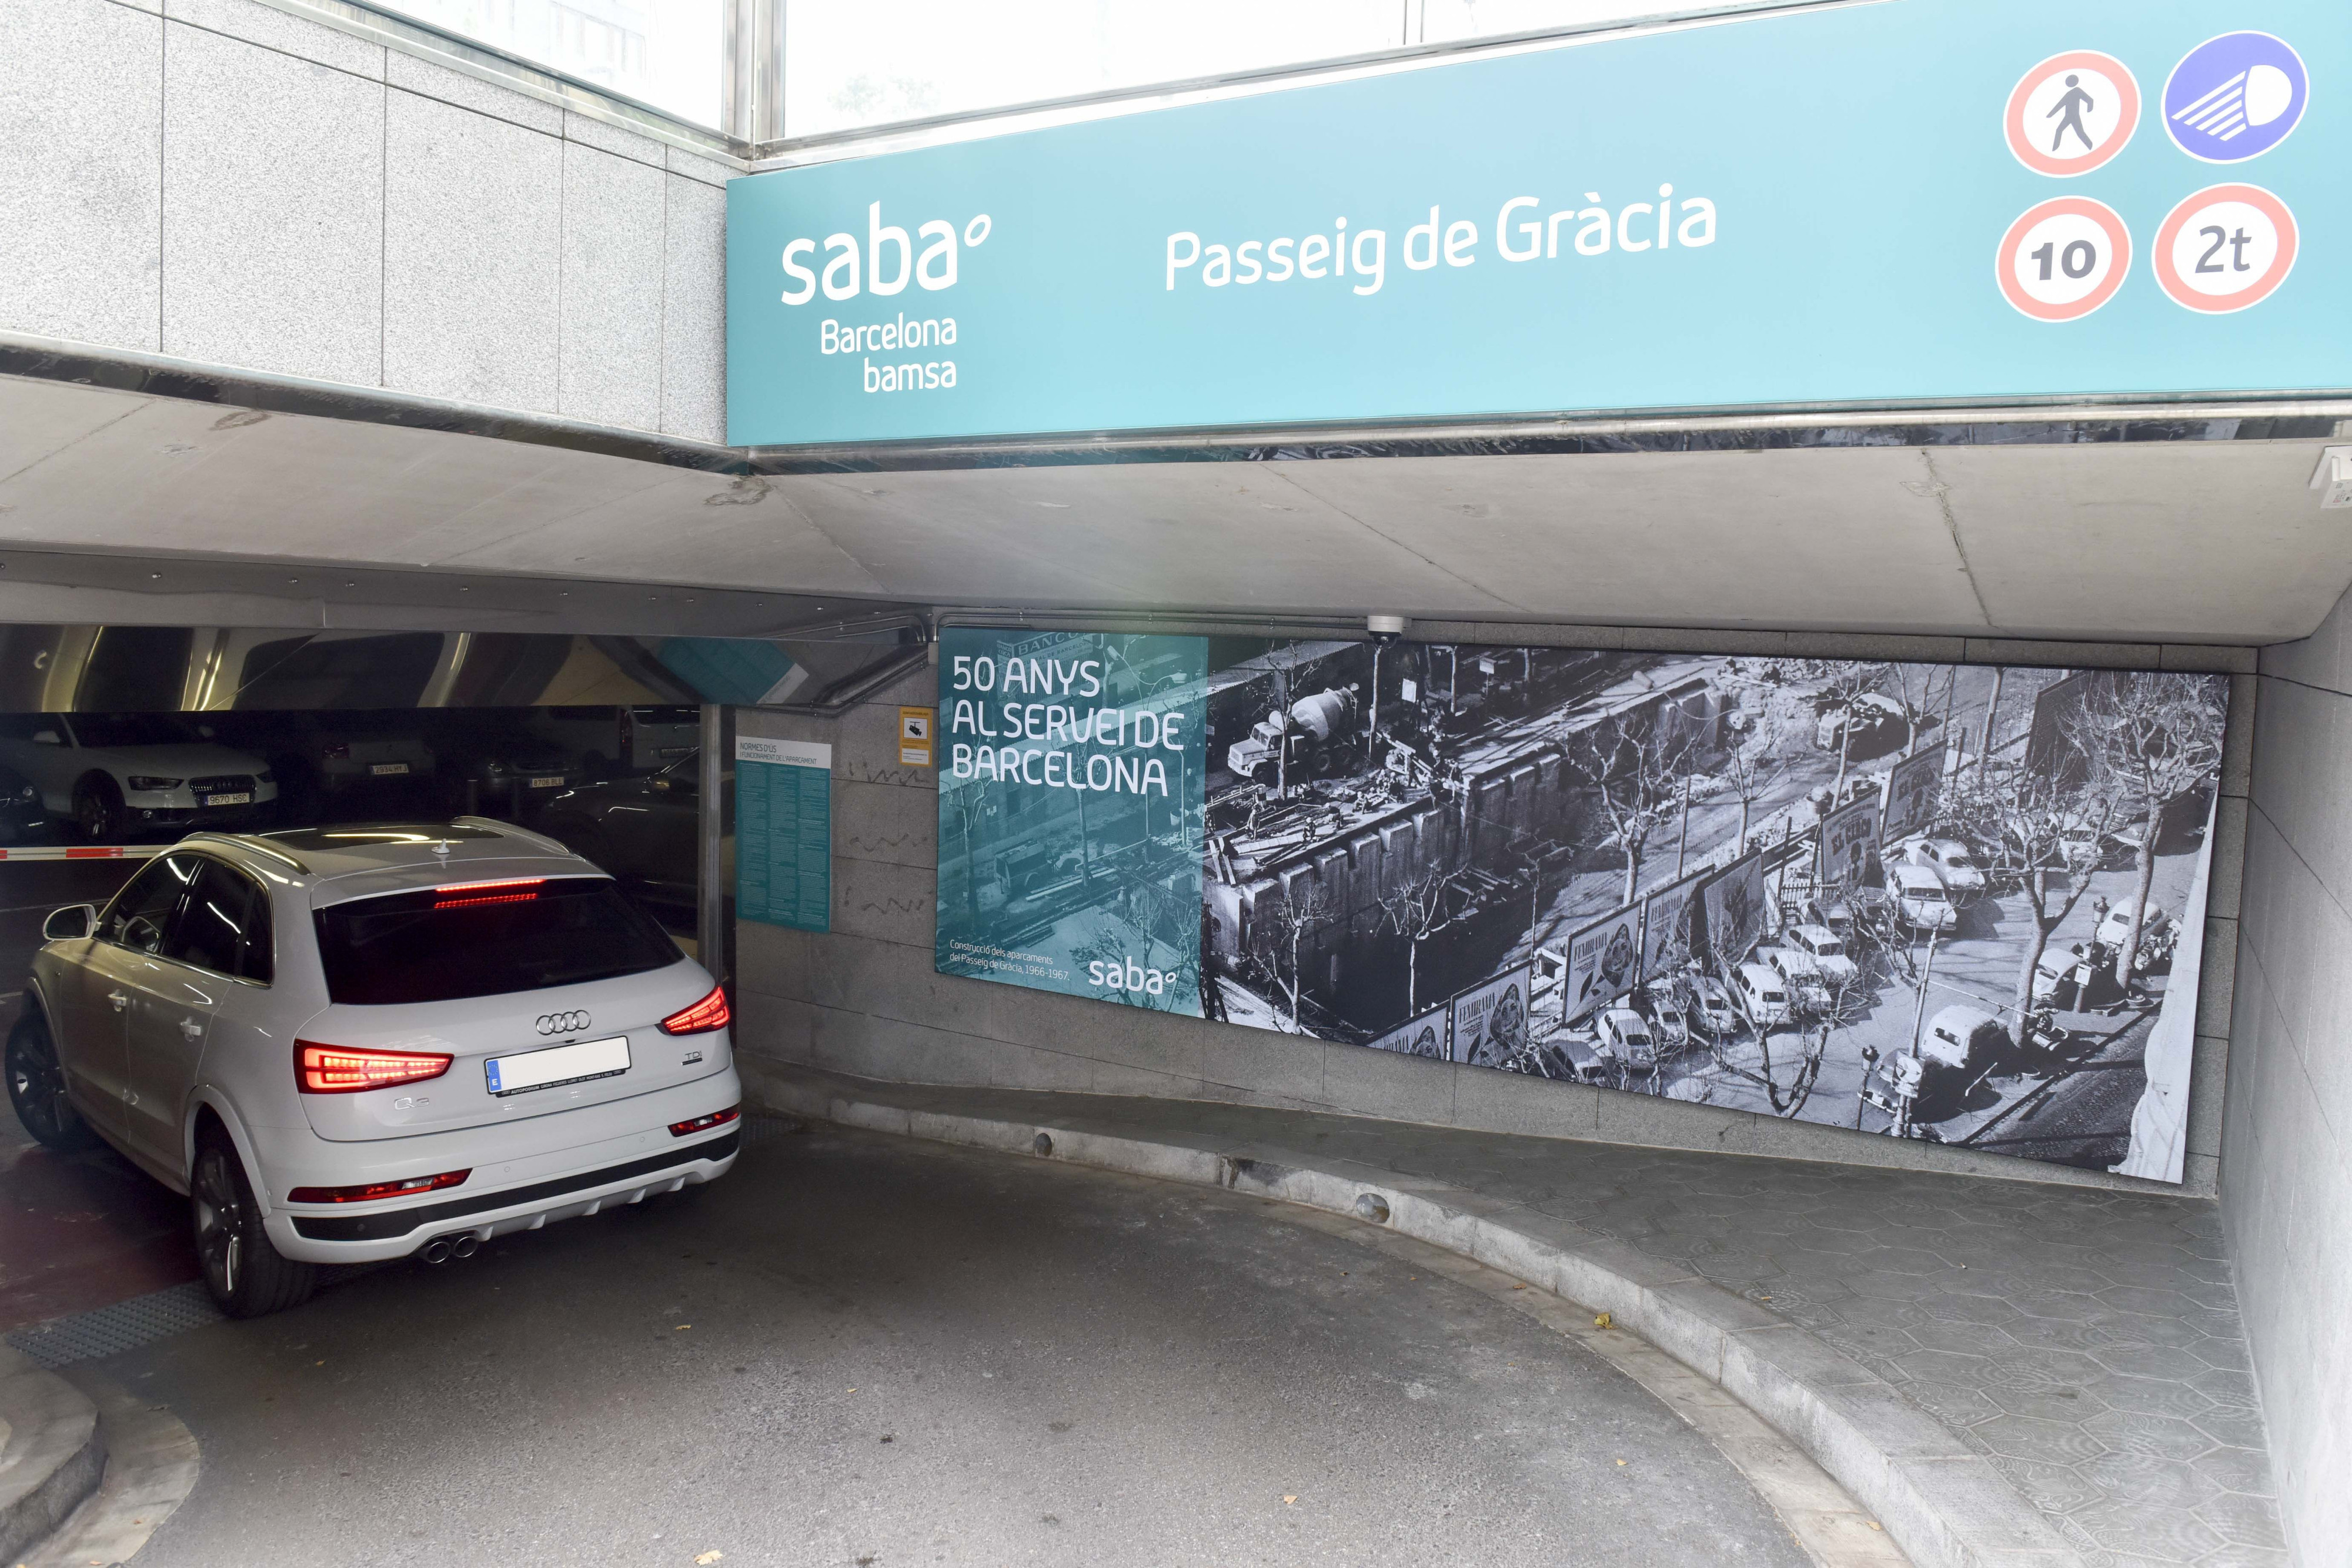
(554, 783)
(557, 1065)
(242, 797)
(386, 770)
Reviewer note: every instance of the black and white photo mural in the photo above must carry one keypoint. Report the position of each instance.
(1954, 902)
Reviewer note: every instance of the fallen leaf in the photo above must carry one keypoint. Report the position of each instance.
(1291, 1497)
(681, 1328)
(1604, 1322)
(853, 1391)
(710, 1557)
(1875, 1525)
(1620, 1461)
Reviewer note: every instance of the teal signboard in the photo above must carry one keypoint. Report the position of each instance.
(1072, 779)
(1912, 199)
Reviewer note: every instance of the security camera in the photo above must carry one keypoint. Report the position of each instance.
(1385, 628)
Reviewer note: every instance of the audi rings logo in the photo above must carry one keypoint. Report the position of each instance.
(562, 1023)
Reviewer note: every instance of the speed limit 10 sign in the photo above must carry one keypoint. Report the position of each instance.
(2064, 259)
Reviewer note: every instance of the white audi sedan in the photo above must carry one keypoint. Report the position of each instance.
(348, 1044)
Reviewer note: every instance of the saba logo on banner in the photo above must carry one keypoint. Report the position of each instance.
(2235, 97)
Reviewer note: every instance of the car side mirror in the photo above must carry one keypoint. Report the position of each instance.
(47, 737)
(70, 923)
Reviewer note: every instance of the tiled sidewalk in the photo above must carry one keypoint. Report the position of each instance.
(2087, 1342)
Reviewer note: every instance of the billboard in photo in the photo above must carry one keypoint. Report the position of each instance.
(1666, 928)
(1424, 1037)
(1912, 788)
(1733, 900)
(1490, 1020)
(1850, 843)
(1602, 959)
(1379, 849)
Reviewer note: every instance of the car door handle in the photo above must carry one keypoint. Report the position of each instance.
(192, 1029)
(119, 999)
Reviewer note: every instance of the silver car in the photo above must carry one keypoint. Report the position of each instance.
(116, 773)
(348, 1044)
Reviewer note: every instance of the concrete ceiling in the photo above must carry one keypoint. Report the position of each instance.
(2211, 540)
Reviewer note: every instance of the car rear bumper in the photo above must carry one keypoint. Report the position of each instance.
(522, 1191)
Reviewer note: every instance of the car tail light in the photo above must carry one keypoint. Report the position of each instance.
(463, 894)
(704, 1124)
(704, 1016)
(375, 1189)
(352, 1070)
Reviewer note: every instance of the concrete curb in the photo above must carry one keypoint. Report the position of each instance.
(51, 1456)
(1943, 1503)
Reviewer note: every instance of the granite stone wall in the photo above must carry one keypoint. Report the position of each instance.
(224, 181)
(2286, 1172)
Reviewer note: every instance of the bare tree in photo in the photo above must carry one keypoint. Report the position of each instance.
(1288, 923)
(1637, 764)
(2150, 739)
(1753, 767)
(2032, 816)
(1412, 909)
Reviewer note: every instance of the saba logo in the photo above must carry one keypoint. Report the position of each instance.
(1126, 975)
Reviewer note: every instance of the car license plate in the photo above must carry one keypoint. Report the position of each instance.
(386, 769)
(557, 1066)
(554, 783)
(242, 797)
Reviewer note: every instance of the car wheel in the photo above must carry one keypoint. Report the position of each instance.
(36, 1087)
(97, 809)
(248, 1276)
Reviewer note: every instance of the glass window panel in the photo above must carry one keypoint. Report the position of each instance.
(1447, 21)
(665, 53)
(852, 63)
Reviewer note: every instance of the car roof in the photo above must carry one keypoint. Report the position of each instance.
(1624, 1017)
(1917, 873)
(362, 860)
(1813, 932)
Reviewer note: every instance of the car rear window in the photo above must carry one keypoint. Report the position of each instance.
(485, 939)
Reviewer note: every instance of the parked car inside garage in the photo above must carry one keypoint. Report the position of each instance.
(489, 763)
(606, 742)
(333, 764)
(641, 831)
(22, 815)
(110, 774)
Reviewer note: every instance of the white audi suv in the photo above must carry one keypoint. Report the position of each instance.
(347, 1044)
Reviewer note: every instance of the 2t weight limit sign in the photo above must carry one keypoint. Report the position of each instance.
(2064, 259)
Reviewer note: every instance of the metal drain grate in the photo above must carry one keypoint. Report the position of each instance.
(125, 1325)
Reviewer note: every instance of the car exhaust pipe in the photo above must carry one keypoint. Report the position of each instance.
(464, 1246)
(436, 1251)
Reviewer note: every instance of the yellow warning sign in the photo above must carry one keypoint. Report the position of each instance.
(915, 736)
